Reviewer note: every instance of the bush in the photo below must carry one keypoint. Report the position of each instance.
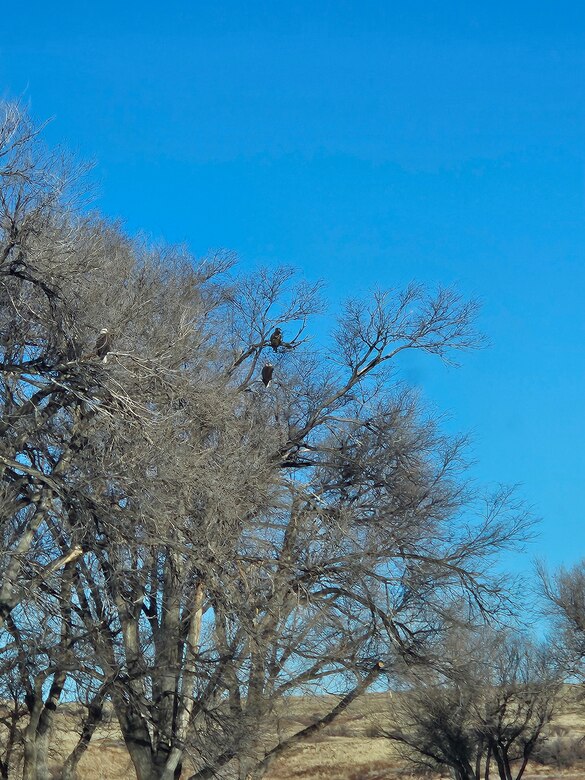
(561, 751)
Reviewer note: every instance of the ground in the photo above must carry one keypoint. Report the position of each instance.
(347, 751)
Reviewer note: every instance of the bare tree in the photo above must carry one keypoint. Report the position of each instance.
(564, 593)
(62, 276)
(13, 716)
(204, 541)
(487, 701)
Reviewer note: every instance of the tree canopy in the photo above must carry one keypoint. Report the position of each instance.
(187, 540)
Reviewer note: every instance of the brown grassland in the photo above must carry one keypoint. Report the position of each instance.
(347, 750)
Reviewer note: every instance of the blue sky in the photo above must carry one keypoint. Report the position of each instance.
(369, 144)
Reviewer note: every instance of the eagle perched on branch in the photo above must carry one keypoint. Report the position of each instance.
(103, 344)
(267, 372)
(276, 339)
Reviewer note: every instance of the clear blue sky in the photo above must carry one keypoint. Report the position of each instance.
(368, 143)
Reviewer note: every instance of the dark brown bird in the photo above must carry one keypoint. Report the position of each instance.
(276, 339)
(103, 344)
(267, 374)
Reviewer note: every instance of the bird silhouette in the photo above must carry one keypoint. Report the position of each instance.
(276, 339)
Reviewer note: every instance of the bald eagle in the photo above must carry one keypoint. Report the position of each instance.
(267, 374)
(276, 339)
(103, 344)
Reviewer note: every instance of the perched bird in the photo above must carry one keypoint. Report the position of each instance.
(267, 374)
(276, 339)
(348, 472)
(103, 344)
(349, 469)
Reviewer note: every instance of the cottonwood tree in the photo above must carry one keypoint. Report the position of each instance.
(204, 544)
(13, 716)
(37, 389)
(484, 705)
(564, 593)
(36, 252)
(62, 276)
(371, 548)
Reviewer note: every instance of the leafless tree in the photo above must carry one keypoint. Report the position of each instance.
(486, 702)
(564, 593)
(13, 716)
(203, 544)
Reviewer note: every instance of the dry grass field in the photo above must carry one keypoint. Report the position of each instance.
(345, 751)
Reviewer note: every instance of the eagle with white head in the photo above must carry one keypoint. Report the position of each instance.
(103, 344)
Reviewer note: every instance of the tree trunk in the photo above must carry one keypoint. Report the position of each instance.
(148, 765)
(173, 765)
(138, 745)
(502, 763)
(145, 769)
(36, 749)
(34, 704)
(523, 766)
(11, 740)
(148, 762)
(94, 716)
(464, 771)
(42, 758)
(29, 769)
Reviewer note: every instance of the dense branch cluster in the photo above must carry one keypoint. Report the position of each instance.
(186, 537)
